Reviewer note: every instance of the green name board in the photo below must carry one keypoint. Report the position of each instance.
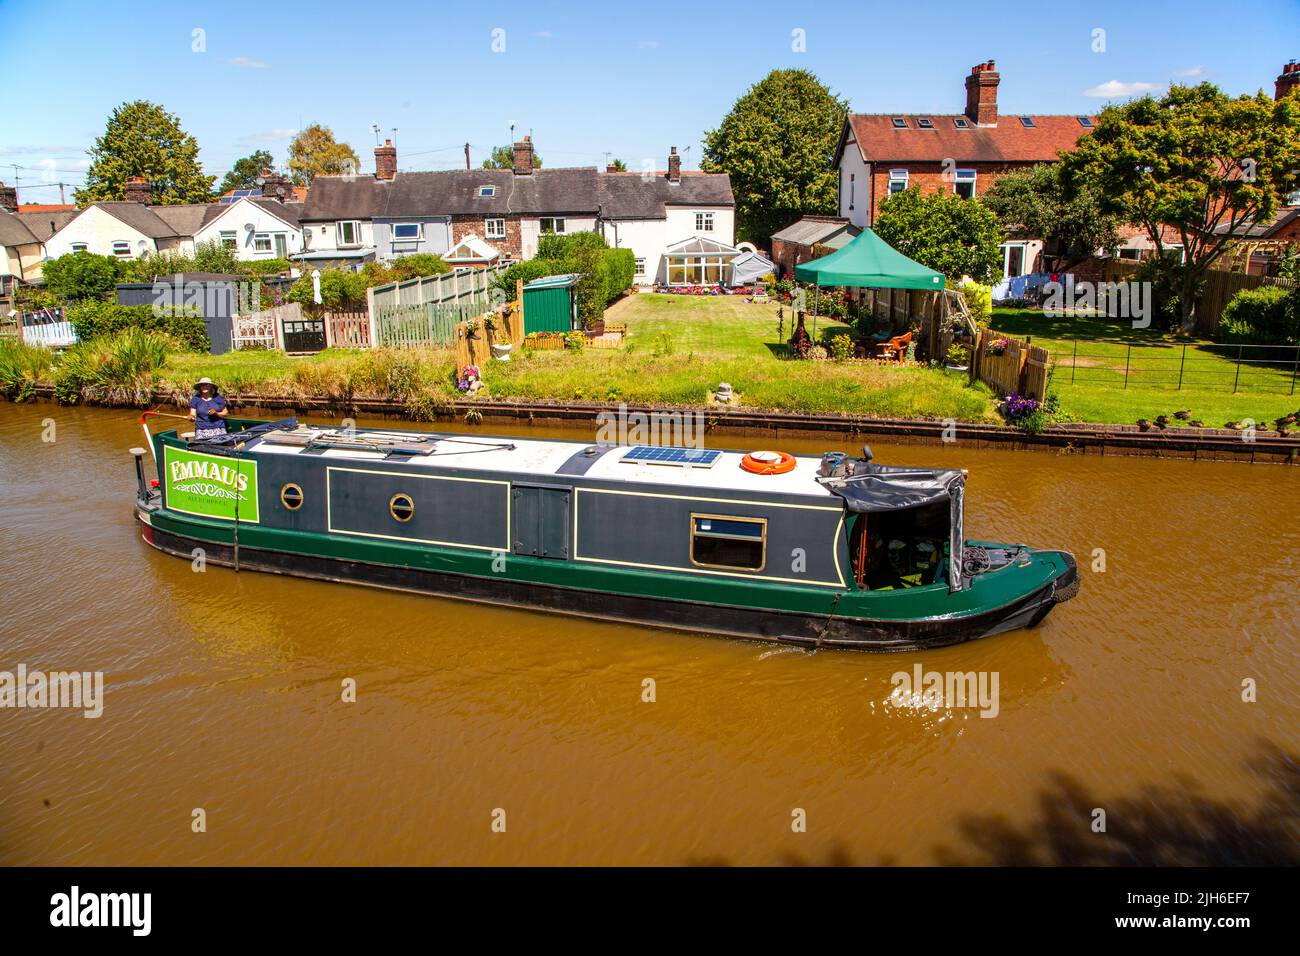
(210, 486)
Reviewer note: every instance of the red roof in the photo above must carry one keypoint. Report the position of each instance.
(880, 141)
(47, 207)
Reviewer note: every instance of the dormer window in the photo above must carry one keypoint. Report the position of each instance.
(487, 192)
(1085, 122)
(924, 122)
(1027, 122)
(899, 122)
(961, 122)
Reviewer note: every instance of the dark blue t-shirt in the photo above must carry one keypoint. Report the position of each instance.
(205, 410)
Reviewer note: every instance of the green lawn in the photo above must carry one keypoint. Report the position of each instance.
(1090, 353)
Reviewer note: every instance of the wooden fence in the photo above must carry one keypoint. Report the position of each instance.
(431, 324)
(1021, 369)
(347, 330)
(449, 288)
(475, 337)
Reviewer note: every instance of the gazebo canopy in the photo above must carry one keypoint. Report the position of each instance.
(868, 262)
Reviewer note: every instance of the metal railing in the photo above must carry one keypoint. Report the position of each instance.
(1232, 367)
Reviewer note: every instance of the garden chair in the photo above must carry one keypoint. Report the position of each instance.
(895, 348)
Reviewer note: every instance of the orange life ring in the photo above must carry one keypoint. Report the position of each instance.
(768, 462)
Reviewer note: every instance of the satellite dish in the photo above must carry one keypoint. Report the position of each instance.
(248, 227)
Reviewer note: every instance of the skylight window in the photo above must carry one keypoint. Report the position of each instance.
(1085, 122)
(924, 122)
(960, 122)
(899, 122)
(1027, 122)
(487, 191)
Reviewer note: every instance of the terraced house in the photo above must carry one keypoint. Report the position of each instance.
(680, 226)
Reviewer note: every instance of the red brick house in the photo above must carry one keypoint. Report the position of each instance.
(883, 153)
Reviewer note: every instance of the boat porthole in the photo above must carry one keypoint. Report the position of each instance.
(401, 507)
(291, 496)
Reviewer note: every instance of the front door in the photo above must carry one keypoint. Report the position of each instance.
(281, 246)
(540, 520)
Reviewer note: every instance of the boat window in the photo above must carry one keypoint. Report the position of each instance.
(719, 541)
(401, 507)
(291, 496)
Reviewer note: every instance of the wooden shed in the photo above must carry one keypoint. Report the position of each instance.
(550, 304)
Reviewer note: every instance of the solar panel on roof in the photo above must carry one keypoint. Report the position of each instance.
(671, 455)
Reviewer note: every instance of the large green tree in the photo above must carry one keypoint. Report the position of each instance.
(503, 157)
(1195, 167)
(1034, 202)
(143, 139)
(950, 234)
(315, 152)
(777, 144)
(243, 175)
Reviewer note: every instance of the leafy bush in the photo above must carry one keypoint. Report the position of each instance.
(81, 275)
(264, 267)
(958, 354)
(605, 273)
(1268, 314)
(1166, 278)
(575, 341)
(338, 289)
(841, 347)
(22, 368)
(979, 301)
(121, 368)
(93, 320)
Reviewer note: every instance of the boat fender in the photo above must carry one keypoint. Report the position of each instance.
(768, 462)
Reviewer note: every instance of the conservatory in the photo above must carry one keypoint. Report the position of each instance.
(699, 261)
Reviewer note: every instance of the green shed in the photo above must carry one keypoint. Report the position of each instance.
(550, 305)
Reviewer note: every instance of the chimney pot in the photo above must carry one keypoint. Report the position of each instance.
(523, 157)
(386, 161)
(982, 94)
(1287, 80)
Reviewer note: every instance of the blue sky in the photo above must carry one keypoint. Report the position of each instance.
(586, 79)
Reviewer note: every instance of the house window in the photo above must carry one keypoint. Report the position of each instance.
(78, 247)
(964, 183)
(349, 233)
(695, 270)
(494, 228)
(704, 222)
(899, 122)
(122, 248)
(640, 266)
(1013, 260)
(1130, 253)
(1027, 122)
(723, 542)
(262, 242)
(487, 192)
(924, 122)
(408, 231)
(961, 122)
(852, 189)
(552, 224)
(1085, 122)
(228, 240)
(897, 181)
(1292, 199)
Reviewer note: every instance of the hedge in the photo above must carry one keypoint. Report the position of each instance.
(1267, 314)
(91, 320)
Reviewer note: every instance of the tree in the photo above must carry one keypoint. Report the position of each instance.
(777, 144)
(503, 157)
(1197, 165)
(81, 275)
(243, 175)
(1034, 202)
(314, 152)
(618, 166)
(950, 234)
(143, 139)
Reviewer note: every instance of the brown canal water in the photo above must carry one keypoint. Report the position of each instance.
(223, 692)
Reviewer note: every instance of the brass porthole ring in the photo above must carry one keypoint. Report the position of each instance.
(401, 507)
(291, 496)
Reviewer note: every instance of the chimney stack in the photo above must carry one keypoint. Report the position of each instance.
(276, 186)
(8, 198)
(386, 161)
(611, 168)
(1287, 80)
(982, 94)
(524, 157)
(137, 189)
(674, 166)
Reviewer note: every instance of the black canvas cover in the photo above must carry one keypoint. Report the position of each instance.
(874, 487)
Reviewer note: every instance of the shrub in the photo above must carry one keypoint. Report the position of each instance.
(841, 347)
(338, 289)
(22, 368)
(958, 354)
(81, 275)
(117, 369)
(575, 341)
(1267, 314)
(263, 267)
(979, 301)
(93, 320)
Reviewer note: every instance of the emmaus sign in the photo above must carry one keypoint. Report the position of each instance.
(210, 486)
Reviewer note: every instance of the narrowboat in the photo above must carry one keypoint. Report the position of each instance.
(833, 552)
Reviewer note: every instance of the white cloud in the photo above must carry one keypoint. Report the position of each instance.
(544, 34)
(647, 44)
(1113, 88)
(29, 150)
(267, 136)
(248, 63)
(1191, 71)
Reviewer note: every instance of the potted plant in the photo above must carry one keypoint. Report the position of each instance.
(958, 357)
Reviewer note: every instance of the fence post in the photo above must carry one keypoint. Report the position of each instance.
(1295, 367)
(370, 318)
(1127, 354)
(1074, 362)
(1237, 378)
(1181, 363)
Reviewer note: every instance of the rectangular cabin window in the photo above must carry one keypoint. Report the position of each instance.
(408, 231)
(718, 541)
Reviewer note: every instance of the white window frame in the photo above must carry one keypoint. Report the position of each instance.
(122, 248)
(494, 228)
(900, 177)
(557, 225)
(258, 239)
(419, 232)
(229, 239)
(962, 176)
(80, 247)
(487, 192)
(640, 265)
(356, 233)
(703, 221)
